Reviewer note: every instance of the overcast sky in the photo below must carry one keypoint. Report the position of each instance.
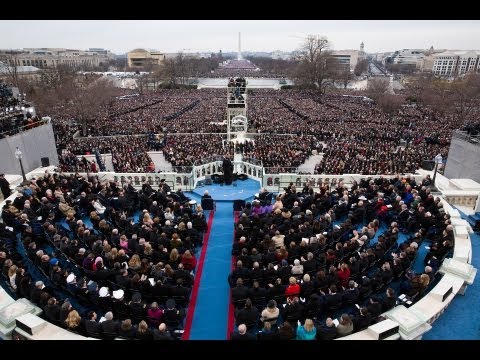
(257, 35)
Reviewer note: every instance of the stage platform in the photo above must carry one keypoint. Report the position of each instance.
(238, 190)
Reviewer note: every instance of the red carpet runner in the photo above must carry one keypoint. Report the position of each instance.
(198, 277)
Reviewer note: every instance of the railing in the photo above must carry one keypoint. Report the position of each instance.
(208, 159)
(252, 161)
(462, 198)
(18, 129)
(463, 135)
(174, 180)
(201, 171)
(276, 182)
(280, 170)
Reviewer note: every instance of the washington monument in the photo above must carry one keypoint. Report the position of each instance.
(239, 55)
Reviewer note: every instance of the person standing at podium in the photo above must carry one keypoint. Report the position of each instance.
(227, 170)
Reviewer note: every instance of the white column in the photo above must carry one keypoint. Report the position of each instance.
(239, 55)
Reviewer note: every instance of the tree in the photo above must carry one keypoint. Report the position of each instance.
(344, 76)
(378, 86)
(10, 67)
(168, 72)
(361, 67)
(436, 94)
(465, 95)
(83, 95)
(389, 103)
(275, 67)
(417, 83)
(315, 64)
(89, 98)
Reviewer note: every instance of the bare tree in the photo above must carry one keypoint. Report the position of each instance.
(437, 95)
(361, 67)
(89, 97)
(344, 76)
(417, 84)
(10, 67)
(378, 86)
(315, 66)
(389, 103)
(83, 95)
(168, 72)
(274, 67)
(466, 98)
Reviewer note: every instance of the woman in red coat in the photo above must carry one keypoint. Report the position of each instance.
(343, 274)
(293, 288)
(188, 260)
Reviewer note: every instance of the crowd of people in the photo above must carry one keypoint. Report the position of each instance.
(354, 134)
(318, 251)
(112, 275)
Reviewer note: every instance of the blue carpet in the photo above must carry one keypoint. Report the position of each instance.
(211, 311)
(210, 319)
(238, 190)
(461, 320)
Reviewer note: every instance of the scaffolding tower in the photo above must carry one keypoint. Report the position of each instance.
(237, 123)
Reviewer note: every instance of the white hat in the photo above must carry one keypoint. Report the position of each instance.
(362, 198)
(118, 294)
(103, 292)
(308, 212)
(70, 278)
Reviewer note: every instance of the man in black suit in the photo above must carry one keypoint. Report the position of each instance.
(389, 301)
(206, 195)
(52, 311)
(5, 186)
(242, 334)
(92, 327)
(327, 331)
(362, 321)
(180, 290)
(165, 186)
(227, 170)
(239, 292)
(162, 333)
(109, 326)
(182, 196)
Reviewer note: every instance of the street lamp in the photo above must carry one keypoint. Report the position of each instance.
(19, 155)
(438, 160)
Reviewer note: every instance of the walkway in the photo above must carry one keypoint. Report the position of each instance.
(308, 167)
(211, 308)
(161, 164)
(211, 296)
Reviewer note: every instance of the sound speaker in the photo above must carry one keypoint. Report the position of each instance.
(30, 323)
(45, 161)
(208, 180)
(384, 329)
(428, 165)
(441, 292)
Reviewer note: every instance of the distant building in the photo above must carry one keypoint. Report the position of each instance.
(456, 62)
(141, 58)
(52, 57)
(348, 58)
(7, 72)
(408, 56)
(280, 55)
